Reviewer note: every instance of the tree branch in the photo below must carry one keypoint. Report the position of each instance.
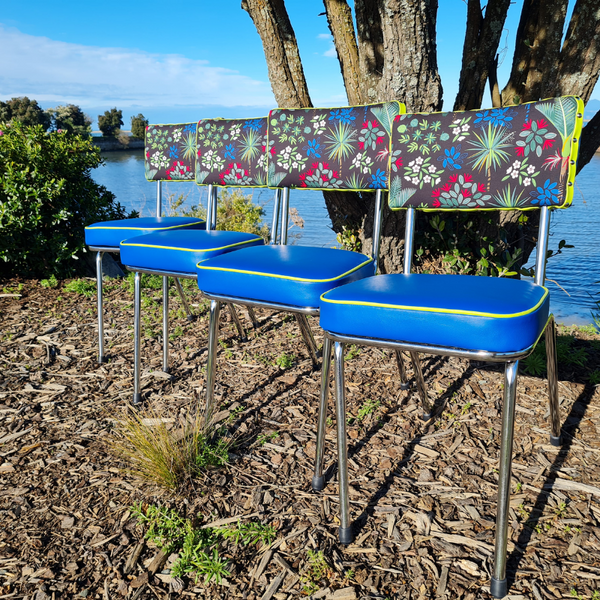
(339, 19)
(481, 45)
(590, 141)
(286, 74)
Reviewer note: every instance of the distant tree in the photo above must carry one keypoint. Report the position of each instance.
(110, 122)
(25, 111)
(138, 126)
(70, 118)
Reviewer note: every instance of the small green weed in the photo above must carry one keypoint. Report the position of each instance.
(594, 378)
(465, 409)
(51, 282)
(353, 352)
(178, 332)
(535, 363)
(316, 570)
(285, 361)
(226, 349)
(82, 287)
(368, 408)
(263, 438)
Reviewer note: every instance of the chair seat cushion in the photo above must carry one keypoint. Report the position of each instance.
(293, 276)
(457, 311)
(179, 251)
(108, 234)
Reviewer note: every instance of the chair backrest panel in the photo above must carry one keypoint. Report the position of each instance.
(515, 157)
(331, 148)
(170, 152)
(232, 152)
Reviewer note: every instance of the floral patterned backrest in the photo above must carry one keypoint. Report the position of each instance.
(331, 148)
(170, 152)
(232, 152)
(516, 157)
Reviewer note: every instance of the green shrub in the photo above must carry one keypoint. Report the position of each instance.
(47, 197)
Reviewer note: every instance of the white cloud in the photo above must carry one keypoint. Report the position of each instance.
(58, 72)
(324, 36)
(331, 53)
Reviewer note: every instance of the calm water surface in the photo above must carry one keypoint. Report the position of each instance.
(577, 270)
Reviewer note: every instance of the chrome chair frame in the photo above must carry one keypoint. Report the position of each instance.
(499, 585)
(299, 312)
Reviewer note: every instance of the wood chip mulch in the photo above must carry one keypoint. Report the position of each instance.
(423, 495)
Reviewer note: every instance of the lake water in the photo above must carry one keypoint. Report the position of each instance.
(577, 270)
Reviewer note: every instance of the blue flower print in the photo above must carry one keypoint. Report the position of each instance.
(313, 148)
(501, 117)
(229, 152)
(546, 195)
(379, 180)
(190, 128)
(452, 158)
(344, 115)
(173, 152)
(253, 124)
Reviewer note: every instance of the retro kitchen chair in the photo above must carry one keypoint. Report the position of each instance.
(517, 158)
(170, 156)
(344, 149)
(230, 153)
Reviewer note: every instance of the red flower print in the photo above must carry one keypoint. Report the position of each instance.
(399, 162)
(380, 139)
(547, 144)
(436, 204)
(365, 124)
(466, 193)
(273, 150)
(396, 118)
(453, 179)
(309, 172)
(335, 174)
(481, 188)
(361, 145)
(542, 123)
(520, 151)
(315, 165)
(468, 178)
(374, 124)
(436, 193)
(445, 188)
(527, 125)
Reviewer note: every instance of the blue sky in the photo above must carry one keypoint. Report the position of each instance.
(175, 64)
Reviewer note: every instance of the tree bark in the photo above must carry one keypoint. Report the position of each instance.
(590, 141)
(481, 45)
(281, 51)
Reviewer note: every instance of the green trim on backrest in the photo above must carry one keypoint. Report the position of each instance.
(170, 152)
(515, 157)
(232, 152)
(344, 148)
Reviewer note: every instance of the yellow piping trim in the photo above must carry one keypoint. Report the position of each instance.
(401, 111)
(191, 249)
(150, 228)
(570, 183)
(439, 310)
(286, 276)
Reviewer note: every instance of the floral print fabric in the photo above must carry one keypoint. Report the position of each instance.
(331, 148)
(232, 152)
(515, 157)
(170, 152)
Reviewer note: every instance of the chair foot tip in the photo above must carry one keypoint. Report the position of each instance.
(137, 399)
(190, 318)
(318, 483)
(346, 536)
(556, 441)
(101, 360)
(404, 386)
(498, 587)
(426, 416)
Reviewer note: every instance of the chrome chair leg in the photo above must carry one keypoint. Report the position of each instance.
(236, 320)
(345, 529)
(252, 316)
(99, 256)
(186, 306)
(552, 366)
(404, 385)
(318, 480)
(499, 585)
(137, 395)
(165, 290)
(213, 336)
(421, 387)
(308, 337)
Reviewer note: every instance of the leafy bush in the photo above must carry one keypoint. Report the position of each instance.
(47, 197)
(110, 122)
(138, 126)
(25, 111)
(70, 118)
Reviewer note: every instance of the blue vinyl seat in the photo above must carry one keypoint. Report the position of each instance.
(170, 154)
(514, 158)
(342, 149)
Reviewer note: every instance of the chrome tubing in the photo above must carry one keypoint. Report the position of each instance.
(213, 224)
(186, 306)
(402, 371)
(499, 586)
(542, 246)
(421, 387)
(165, 291)
(209, 207)
(236, 320)
(159, 198)
(213, 336)
(285, 217)
(409, 240)
(275, 223)
(345, 529)
(252, 316)
(137, 395)
(377, 229)
(318, 480)
(307, 336)
(99, 256)
(552, 366)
